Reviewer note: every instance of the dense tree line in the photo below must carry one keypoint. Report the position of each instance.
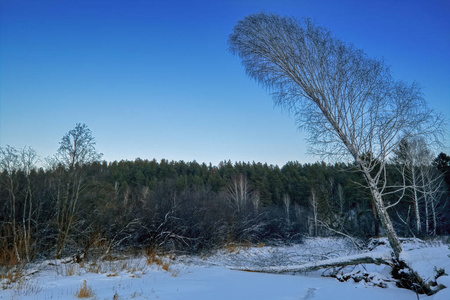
(80, 205)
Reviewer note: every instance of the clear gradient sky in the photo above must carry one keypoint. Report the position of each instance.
(154, 79)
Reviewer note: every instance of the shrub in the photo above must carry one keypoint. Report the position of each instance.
(85, 291)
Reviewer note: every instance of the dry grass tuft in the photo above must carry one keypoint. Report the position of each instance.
(166, 266)
(12, 275)
(163, 261)
(8, 258)
(85, 291)
(94, 268)
(9, 275)
(232, 248)
(70, 270)
(247, 244)
(153, 258)
(13, 254)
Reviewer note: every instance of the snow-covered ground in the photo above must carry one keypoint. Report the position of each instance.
(213, 277)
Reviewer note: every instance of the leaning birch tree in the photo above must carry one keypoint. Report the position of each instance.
(348, 102)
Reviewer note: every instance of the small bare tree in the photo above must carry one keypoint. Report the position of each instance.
(77, 148)
(20, 195)
(407, 156)
(435, 199)
(239, 192)
(287, 208)
(348, 102)
(423, 182)
(10, 165)
(28, 160)
(313, 200)
(256, 201)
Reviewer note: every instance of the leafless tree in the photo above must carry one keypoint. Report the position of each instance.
(314, 201)
(422, 180)
(239, 192)
(407, 156)
(10, 165)
(435, 199)
(77, 148)
(341, 200)
(20, 193)
(287, 208)
(430, 185)
(348, 102)
(28, 160)
(256, 201)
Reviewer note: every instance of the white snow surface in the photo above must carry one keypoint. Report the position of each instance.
(212, 277)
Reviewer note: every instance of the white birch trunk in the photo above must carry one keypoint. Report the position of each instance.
(415, 197)
(287, 206)
(314, 204)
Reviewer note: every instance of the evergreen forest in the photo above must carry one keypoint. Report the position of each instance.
(79, 205)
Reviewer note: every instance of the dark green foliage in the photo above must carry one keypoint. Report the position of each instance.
(186, 205)
(442, 163)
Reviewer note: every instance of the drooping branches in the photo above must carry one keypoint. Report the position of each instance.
(348, 102)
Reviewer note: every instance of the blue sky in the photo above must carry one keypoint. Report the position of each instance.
(154, 79)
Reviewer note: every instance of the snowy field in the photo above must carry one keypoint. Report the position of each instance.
(214, 276)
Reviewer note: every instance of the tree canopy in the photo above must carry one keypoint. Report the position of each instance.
(349, 103)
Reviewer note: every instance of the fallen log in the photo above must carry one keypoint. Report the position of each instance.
(352, 260)
(405, 276)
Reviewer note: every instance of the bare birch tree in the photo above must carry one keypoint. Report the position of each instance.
(287, 208)
(315, 210)
(77, 147)
(430, 186)
(435, 199)
(256, 201)
(348, 102)
(423, 181)
(239, 192)
(407, 156)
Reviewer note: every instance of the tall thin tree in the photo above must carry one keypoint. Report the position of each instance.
(77, 148)
(348, 102)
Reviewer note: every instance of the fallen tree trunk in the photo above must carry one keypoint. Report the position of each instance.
(365, 258)
(406, 277)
